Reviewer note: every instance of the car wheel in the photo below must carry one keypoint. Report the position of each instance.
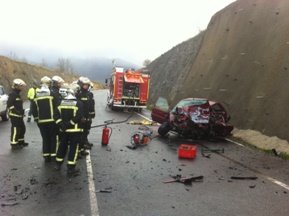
(5, 116)
(164, 129)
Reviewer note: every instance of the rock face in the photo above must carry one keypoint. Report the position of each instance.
(241, 60)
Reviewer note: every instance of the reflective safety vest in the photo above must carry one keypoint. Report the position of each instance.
(42, 107)
(70, 113)
(31, 93)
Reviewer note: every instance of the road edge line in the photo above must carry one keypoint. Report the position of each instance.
(91, 188)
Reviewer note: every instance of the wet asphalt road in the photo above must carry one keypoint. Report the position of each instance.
(135, 178)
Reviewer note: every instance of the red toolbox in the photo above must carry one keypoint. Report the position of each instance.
(187, 151)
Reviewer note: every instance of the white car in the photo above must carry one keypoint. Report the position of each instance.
(3, 104)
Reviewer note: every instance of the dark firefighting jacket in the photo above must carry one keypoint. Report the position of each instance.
(56, 95)
(69, 115)
(43, 106)
(86, 97)
(15, 104)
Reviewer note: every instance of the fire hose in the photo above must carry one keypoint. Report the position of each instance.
(108, 122)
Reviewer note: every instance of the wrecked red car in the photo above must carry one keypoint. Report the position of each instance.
(195, 118)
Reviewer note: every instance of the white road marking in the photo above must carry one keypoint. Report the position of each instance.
(232, 141)
(91, 187)
(274, 181)
(146, 118)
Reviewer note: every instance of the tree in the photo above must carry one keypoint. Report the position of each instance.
(146, 62)
(64, 65)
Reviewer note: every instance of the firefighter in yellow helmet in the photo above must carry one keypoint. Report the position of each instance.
(16, 114)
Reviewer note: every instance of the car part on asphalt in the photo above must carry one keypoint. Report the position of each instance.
(185, 180)
(214, 150)
(244, 177)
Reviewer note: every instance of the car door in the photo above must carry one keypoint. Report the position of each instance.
(160, 111)
(3, 100)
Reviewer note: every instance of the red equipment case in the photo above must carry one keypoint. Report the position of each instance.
(187, 151)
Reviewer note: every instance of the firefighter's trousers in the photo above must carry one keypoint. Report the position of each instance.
(48, 132)
(84, 134)
(30, 110)
(18, 130)
(68, 140)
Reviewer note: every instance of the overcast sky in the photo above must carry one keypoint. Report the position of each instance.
(130, 29)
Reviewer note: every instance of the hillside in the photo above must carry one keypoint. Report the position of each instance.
(241, 59)
(31, 74)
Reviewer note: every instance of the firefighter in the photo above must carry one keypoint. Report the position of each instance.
(16, 114)
(69, 116)
(57, 82)
(86, 97)
(43, 110)
(30, 95)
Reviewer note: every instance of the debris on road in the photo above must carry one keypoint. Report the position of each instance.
(105, 190)
(185, 180)
(244, 177)
(144, 122)
(206, 155)
(9, 204)
(214, 150)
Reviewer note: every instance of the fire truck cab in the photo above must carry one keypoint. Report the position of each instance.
(128, 88)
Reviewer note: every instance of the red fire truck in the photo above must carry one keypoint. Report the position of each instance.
(128, 88)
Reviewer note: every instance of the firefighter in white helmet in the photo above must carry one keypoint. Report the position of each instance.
(69, 116)
(86, 97)
(43, 111)
(57, 83)
(16, 114)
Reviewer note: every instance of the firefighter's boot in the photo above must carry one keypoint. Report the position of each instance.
(72, 171)
(16, 147)
(23, 144)
(58, 166)
(47, 159)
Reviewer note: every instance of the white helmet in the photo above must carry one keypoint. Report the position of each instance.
(18, 82)
(74, 87)
(57, 79)
(84, 80)
(45, 80)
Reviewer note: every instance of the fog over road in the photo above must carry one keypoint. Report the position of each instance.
(118, 181)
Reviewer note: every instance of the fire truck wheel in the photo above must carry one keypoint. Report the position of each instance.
(164, 129)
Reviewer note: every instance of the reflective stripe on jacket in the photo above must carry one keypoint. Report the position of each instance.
(42, 107)
(70, 113)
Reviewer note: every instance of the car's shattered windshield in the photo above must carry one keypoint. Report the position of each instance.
(191, 102)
